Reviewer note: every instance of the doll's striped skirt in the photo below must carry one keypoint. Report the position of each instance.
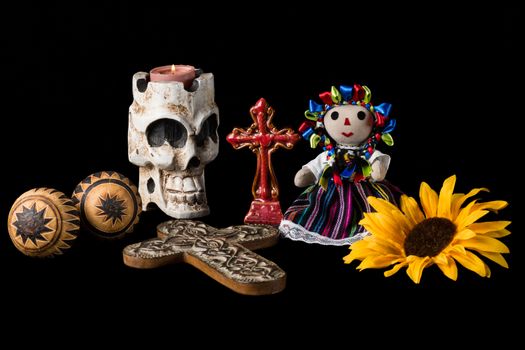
(332, 216)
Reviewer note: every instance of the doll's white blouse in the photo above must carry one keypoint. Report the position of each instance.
(317, 165)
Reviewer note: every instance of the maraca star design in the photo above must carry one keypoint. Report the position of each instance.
(31, 224)
(112, 208)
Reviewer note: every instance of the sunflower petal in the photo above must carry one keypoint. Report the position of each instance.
(487, 270)
(395, 269)
(496, 257)
(415, 268)
(458, 202)
(441, 258)
(380, 245)
(347, 259)
(411, 209)
(389, 225)
(498, 234)
(366, 247)
(458, 248)
(492, 206)
(447, 265)
(445, 197)
(381, 205)
(487, 244)
(362, 244)
(471, 218)
(463, 213)
(465, 234)
(377, 225)
(471, 262)
(359, 253)
(404, 225)
(429, 200)
(389, 246)
(354, 255)
(489, 226)
(455, 198)
(378, 262)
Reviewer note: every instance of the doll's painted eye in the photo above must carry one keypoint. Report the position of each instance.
(334, 115)
(361, 115)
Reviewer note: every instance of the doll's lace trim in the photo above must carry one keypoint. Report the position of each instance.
(295, 232)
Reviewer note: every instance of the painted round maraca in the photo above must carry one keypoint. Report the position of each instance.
(109, 204)
(43, 222)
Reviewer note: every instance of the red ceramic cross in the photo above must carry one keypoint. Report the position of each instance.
(263, 139)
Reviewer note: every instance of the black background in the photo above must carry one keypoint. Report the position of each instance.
(451, 74)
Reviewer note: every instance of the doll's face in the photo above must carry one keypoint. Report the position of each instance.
(349, 124)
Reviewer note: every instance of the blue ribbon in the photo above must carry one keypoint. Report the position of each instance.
(346, 92)
(315, 107)
(347, 173)
(383, 108)
(390, 126)
(308, 133)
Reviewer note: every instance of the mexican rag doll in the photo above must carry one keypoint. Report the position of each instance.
(347, 126)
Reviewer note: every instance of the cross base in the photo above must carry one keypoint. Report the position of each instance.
(264, 212)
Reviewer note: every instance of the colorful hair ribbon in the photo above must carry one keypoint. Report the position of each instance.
(346, 92)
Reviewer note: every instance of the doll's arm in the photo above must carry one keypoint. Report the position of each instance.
(304, 177)
(310, 173)
(380, 165)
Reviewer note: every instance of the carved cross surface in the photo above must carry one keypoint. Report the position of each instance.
(223, 254)
(263, 138)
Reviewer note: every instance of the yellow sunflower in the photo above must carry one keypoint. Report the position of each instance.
(445, 231)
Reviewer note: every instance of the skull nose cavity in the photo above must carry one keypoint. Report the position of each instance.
(151, 185)
(194, 162)
(347, 121)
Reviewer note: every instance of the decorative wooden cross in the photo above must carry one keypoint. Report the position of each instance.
(263, 139)
(222, 254)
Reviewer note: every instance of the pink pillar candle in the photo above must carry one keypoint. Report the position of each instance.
(184, 74)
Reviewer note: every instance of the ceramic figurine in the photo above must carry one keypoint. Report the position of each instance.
(172, 136)
(43, 222)
(263, 138)
(347, 126)
(108, 203)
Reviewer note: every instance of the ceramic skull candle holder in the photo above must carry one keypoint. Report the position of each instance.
(172, 135)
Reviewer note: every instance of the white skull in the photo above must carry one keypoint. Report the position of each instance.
(172, 135)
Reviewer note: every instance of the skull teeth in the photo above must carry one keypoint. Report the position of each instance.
(199, 182)
(187, 198)
(187, 190)
(185, 185)
(188, 185)
(179, 198)
(178, 183)
(191, 198)
(201, 198)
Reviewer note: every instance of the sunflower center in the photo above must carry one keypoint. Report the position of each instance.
(429, 237)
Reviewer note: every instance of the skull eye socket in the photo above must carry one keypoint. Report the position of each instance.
(209, 129)
(166, 130)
